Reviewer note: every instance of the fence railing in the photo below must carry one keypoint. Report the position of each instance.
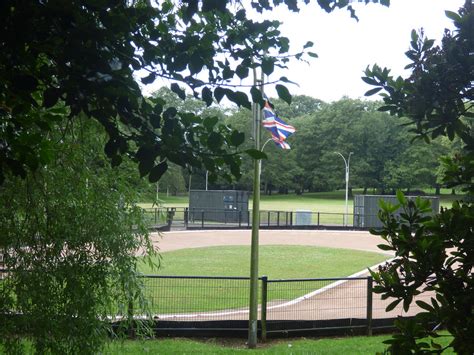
(183, 217)
(200, 303)
(339, 301)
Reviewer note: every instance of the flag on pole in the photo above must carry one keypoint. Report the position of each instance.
(281, 144)
(278, 128)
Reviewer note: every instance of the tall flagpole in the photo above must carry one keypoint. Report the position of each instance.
(253, 305)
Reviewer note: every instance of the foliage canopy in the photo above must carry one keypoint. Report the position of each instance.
(84, 56)
(434, 254)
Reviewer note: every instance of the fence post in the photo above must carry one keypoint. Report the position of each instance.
(202, 219)
(240, 218)
(268, 221)
(186, 217)
(369, 305)
(156, 216)
(169, 217)
(263, 311)
(318, 218)
(248, 218)
(278, 218)
(291, 219)
(131, 327)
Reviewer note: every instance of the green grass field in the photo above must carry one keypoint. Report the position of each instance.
(276, 262)
(348, 345)
(336, 346)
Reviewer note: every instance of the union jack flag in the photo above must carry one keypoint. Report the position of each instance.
(278, 128)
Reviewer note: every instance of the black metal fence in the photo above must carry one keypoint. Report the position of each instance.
(185, 218)
(214, 306)
(198, 303)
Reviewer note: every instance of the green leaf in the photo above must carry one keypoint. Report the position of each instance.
(111, 147)
(237, 138)
(178, 91)
(369, 81)
(424, 305)
(256, 154)
(428, 44)
(239, 98)
(214, 141)
(313, 55)
(392, 305)
(227, 73)
(283, 93)
(242, 71)
(155, 120)
(209, 122)
(401, 197)
(414, 36)
(219, 93)
(257, 96)
(267, 65)
(149, 79)
(286, 80)
(453, 16)
(50, 97)
(195, 63)
(145, 166)
(170, 112)
(385, 247)
(157, 171)
(207, 96)
(372, 91)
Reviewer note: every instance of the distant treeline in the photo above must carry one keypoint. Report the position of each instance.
(384, 157)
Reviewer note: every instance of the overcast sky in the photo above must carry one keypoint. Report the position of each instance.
(345, 46)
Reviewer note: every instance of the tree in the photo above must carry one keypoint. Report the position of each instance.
(434, 253)
(346, 126)
(84, 56)
(70, 232)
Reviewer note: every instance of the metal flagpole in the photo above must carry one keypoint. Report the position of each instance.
(253, 305)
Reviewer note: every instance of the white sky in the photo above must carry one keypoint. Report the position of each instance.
(345, 47)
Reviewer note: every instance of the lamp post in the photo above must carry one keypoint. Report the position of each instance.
(346, 163)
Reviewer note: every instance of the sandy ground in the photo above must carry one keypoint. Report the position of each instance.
(346, 299)
(355, 240)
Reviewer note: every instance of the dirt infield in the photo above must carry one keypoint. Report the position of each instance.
(354, 240)
(329, 302)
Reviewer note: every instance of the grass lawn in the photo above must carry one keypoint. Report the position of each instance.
(349, 345)
(277, 262)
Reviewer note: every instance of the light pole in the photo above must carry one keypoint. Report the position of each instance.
(346, 163)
